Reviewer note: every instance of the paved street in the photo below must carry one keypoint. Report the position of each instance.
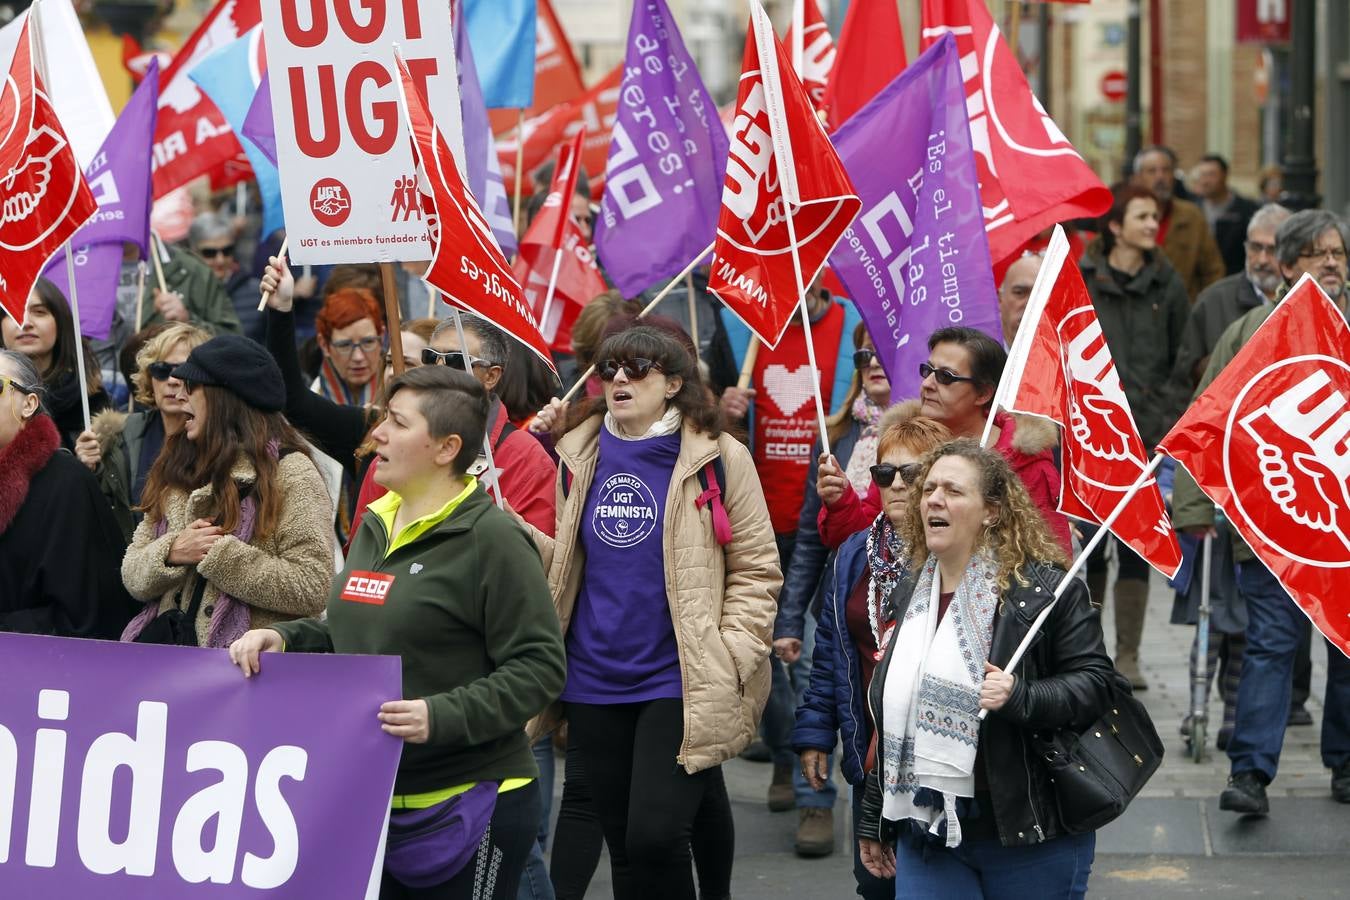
(1173, 842)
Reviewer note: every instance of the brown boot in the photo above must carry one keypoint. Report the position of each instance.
(1130, 601)
(781, 795)
(815, 831)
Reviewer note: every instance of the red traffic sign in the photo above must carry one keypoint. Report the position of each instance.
(1114, 84)
(1263, 21)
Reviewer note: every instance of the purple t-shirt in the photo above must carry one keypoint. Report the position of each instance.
(621, 641)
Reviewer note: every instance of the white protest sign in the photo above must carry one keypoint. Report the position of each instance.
(348, 180)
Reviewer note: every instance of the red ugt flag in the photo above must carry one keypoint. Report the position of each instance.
(808, 39)
(1060, 368)
(467, 266)
(1031, 177)
(781, 164)
(554, 238)
(1267, 442)
(44, 198)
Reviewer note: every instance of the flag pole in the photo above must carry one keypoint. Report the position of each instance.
(487, 438)
(140, 293)
(390, 289)
(156, 248)
(520, 164)
(1102, 531)
(661, 295)
(693, 315)
(806, 326)
(748, 366)
(281, 255)
(79, 336)
(552, 288)
(431, 300)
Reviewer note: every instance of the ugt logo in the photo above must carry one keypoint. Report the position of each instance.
(330, 202)
(1287, 435)
(37, 180)
(1099, 413)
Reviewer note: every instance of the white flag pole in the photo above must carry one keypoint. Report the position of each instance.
(1102, 531)
(806, 327)
(492, 479)
(552, 288)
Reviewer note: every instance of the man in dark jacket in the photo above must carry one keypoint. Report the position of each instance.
(1182, 232)
(1226, 212)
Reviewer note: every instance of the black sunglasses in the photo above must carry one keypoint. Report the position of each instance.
(863, 357)
(212, 252)
(884, 474)
(452, 358)
(161, 371)
(943, 376)
(635, 369)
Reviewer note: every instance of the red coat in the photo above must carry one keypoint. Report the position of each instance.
(528, 474)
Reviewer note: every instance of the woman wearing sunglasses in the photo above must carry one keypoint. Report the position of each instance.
(665, 584)
(120, 447)
(60, 547)
(854, 591)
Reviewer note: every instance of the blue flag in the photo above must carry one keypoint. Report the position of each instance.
(916, 258)
(667, 159)
(484, 178)
(230, 76)
(502, 32)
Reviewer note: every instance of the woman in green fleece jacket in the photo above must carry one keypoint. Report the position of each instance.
(440, 577)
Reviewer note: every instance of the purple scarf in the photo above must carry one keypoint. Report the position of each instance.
(230, 617)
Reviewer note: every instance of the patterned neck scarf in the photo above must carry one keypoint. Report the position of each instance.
(886, 557)
(868, 415)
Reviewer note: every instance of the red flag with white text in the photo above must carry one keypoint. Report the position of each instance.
(1031, 177)
(192, 137)
(812, 58)
(467, 266)
(781, 164)
(1060, 368)
(555, 232)
(45, 198)
(1267, 442)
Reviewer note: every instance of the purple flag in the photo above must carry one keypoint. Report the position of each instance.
(916, 259)
(119, 176)
(258, 125)
(484, 177)
(136, 770)
(667, 159)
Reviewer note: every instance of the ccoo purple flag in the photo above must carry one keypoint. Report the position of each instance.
(258, 125)
(136, 770)
(667, 159)
(119, 176)
(916, 259)
(484, 177)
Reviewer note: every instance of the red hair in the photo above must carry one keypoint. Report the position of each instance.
(345, 307)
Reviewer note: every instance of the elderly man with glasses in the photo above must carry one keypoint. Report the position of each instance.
(1311, 242)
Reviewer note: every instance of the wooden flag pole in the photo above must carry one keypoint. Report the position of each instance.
(156, 249)
(646, 310)
(520, 164)
(748, 366)
(806, 326)
(281, 255)
(487, 438)
(693, 315)
(391, 313)
(140, 292)
(431, 299)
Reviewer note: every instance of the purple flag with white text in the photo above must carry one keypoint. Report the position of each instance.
(484, 178)
(119, 176)
(137, 770)
(667, 159)
(916, 259)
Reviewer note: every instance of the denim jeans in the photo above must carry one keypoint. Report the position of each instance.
(1274, 627)
(534, 881)
(1058, 868)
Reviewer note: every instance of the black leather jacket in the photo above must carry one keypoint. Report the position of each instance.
(1063, 681)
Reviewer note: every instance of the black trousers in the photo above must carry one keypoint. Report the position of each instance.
(494, 871)
(646, 802)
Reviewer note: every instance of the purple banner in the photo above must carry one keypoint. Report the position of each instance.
(133, 770)
(98, 267)
(916, 259)
(667, 159)
(258, 125)
(480, 154)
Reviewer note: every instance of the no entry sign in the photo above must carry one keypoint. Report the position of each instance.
(1114, 84)
(348, 180)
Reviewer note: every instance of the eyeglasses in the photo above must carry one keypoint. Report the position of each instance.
(1335, 254)
(943, 376)
(883, 474)
(6, 383)
(862, 358)
(367, 345)
(1256, 248)
(452, 358)
(634, 369)
(212, 252)
(160, 371)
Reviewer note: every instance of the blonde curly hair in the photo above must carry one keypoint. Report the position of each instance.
(1019, 535)
(155, 349)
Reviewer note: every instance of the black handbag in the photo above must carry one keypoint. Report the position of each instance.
(175, 626)
(1098, 772)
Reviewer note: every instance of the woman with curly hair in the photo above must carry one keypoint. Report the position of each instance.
(955, 805)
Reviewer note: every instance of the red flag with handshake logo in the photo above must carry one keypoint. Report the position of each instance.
(786, 193)
(1031, 177)
(1267, 442)
(44, 198)
(467, 266)
(1061, 369)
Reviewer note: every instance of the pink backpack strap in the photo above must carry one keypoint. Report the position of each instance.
(712, 498)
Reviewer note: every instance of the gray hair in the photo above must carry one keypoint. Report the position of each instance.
(1271, 216)
(491, 339)
(210, 227)
(1301, 231)
(1151, 149)
(25, 375)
